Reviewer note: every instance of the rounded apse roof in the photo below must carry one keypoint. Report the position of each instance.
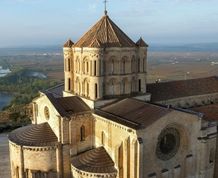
(34, 135)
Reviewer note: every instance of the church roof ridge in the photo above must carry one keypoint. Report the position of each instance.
(107, 33)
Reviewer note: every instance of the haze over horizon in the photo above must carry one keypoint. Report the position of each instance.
(51, 22)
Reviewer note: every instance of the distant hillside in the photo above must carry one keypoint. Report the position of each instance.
(30, 50)
(198, 47)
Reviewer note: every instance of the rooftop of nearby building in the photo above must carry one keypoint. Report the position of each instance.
(56, 91)
(94, 161)
(133, 113)
(183, 88)
(34, 135)
(210, 111)
(105, 33)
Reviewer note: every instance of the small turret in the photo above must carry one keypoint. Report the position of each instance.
(68, 65)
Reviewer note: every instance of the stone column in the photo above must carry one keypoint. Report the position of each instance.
(59, 161)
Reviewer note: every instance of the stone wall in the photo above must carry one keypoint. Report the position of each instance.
(28, 162)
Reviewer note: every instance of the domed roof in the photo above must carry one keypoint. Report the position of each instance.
(94, 161)
(105, 33)
(34, 135)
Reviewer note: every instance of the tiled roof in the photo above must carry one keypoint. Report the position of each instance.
(68, 44)
(133, 113)
(183, 88)
(94, 161)
(34, 135)
(105, 33)
(210, 111)
(141, 43)
(57, 91)
(67, 106)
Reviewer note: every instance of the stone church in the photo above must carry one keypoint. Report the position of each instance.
(107, 122)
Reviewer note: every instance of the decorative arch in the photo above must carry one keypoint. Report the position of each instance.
(124, 64)
(112, 61)
(78, 87)
(85, 87)
(133, 84)
(133, 64)
(123, 85)
(85, 65)
(68, 64)
(77, 64)
(112, 84)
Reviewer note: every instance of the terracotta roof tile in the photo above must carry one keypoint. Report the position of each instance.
(133, 113)
(67, 106)
(105, 33)
(183, 88)
(94, 161)
(34, 135)
(210, 112)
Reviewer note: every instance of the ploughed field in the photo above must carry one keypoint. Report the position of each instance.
(4, 156)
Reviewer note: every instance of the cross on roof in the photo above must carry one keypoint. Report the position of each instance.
(105, 7)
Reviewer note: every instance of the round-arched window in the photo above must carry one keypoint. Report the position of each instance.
(168, 143)
(46, 113)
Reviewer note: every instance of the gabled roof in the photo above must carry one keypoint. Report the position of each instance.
(67, 106)
(133, 113)
(141, 43)
(34, 135)
(56, 91)
(105, 33)
(68, 44)
(210, 111)
(183, 88)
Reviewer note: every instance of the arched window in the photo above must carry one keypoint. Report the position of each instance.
(95, 66)
(133, 64)
(122, 87)
(68, 64)
(87, 67)
(138, 67)
(87, 89)
(139, 85)
(69, 84)
(112, 66)
(123, 66)
(112, 87)
(96, 90)
(82, 133)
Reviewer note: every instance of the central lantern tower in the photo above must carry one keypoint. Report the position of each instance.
(105, 64)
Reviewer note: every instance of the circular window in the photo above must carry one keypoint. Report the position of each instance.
(168, 143)
(46, 112)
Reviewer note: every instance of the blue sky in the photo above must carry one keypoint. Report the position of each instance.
(51, 22)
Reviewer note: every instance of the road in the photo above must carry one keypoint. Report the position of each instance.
(4, 156)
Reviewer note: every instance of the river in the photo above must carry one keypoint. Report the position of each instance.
(5, 99)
